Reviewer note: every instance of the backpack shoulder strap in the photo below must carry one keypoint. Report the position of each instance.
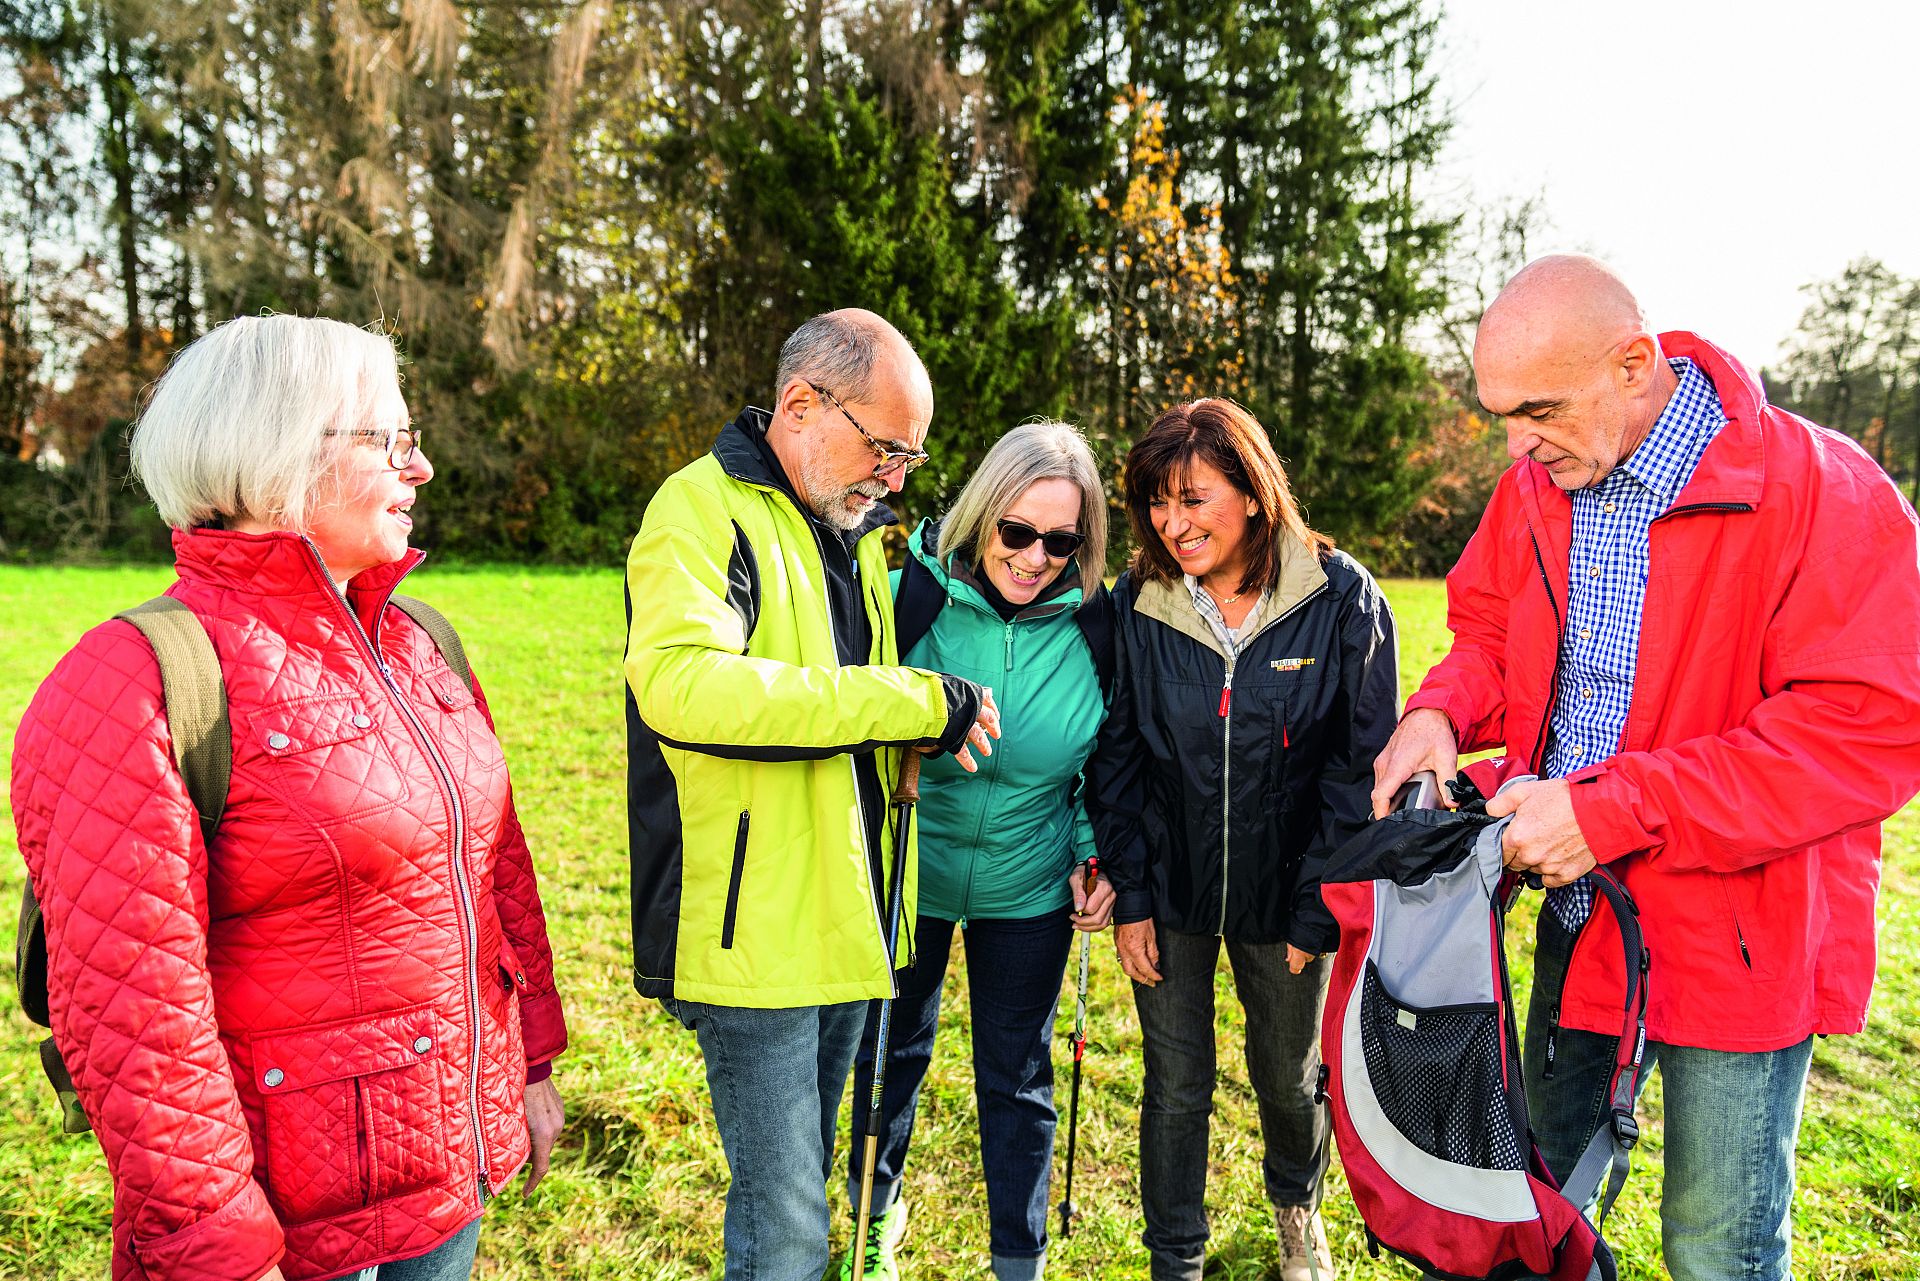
(195, 696)
(1601, 1171)
(445, 639)
(1095, 617)
(917, 603)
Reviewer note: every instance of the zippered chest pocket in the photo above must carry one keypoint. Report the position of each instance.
(326, 757)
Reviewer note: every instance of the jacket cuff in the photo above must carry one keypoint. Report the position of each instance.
(1130, 906)
(538, 1072)
(543, 1028)
(238, 1242)
(1605, 825)
(964, 700)
(1427, 696)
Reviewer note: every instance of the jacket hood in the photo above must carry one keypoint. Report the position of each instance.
(961, 583)
(1169, 601)
(745, 454)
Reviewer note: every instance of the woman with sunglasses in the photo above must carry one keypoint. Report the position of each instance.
(313, 1029)
(1006, 591)
(1256, 683)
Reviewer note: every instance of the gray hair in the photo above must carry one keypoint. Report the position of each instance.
(235, 427)
(834, 349)
(1031, 452)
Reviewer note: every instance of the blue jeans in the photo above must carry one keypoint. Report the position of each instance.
(776, 1078)
(451, 1260)
(1732, 1120)
(1013, 982)
(1176, 1106)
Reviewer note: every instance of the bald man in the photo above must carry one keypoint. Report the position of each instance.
(1694, 619)
(766, 718)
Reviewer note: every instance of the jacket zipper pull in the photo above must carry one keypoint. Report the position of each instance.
(1007, 664)
(1226, 695)
(1286, 737)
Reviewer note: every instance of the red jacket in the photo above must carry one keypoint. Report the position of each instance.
(1775, 719)
(309, 1038)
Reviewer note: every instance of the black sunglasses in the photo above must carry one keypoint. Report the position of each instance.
(1057, 543)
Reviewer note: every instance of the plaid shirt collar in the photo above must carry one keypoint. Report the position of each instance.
(1666, 458)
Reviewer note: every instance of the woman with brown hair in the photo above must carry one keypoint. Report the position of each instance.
(1256, 680)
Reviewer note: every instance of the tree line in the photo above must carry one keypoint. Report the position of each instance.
(589, 224)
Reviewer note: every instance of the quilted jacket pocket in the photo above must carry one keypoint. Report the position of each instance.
(355, 1111)
(329, 756)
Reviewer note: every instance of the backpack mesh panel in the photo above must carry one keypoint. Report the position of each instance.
(1438, 1081)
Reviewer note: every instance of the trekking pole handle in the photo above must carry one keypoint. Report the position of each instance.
(1421, 792)
(1093, 873)
(906, 788)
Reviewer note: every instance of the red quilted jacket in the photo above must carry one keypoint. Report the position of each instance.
(1775, 719)
(307, 1044)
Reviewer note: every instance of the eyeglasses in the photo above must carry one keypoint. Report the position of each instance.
(401, 441)
(1057, 543)
(891, 453)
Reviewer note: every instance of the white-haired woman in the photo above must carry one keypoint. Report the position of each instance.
(1005, 591)
(315, 1043)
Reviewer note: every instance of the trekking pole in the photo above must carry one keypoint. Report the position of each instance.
(905, 792)
(1079, 1051)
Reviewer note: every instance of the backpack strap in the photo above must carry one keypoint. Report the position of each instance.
(1604, 1163)
(445, 639)
(1095, 617)
(195, 698)
(917, 603)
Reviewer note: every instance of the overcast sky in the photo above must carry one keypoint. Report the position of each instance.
(1721, 155)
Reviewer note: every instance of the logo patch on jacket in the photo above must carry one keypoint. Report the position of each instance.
(1290, 664)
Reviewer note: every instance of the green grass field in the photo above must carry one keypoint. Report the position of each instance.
(637, 1190)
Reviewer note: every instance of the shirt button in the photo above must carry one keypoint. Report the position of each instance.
(1593, 573)
(362, 721)
(278, 742)
(1586, 693)
(422, 1044)
(1576, 751)
(1608, 509)
(1585, 632)
(273, 1077)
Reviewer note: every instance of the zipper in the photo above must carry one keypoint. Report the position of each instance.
(1006, 662)
(362, 1141)
(1703, 507)
(853, 774)
(1226, 752)
(1739, 935)
(463, 891)
(733, 882)
(1539, 761)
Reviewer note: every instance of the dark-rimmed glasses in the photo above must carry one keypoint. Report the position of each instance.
(400, 441)
(1057, 543)
(892, 454)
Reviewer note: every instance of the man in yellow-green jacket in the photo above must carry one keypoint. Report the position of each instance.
(766, 721)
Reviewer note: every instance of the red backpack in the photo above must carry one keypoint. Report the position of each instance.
(1421, 1058)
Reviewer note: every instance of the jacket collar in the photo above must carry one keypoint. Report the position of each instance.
(1301, 576)
(960, 583)
(284, 567)
(744, 454)
(1732, 471)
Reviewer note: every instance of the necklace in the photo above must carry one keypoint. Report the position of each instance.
(1226, 600)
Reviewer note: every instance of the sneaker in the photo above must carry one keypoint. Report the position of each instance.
(1303, 1244)
(883, 1235)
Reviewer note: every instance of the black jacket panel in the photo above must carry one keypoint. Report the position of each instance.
(1215, 809)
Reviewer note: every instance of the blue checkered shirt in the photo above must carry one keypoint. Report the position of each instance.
(1607, 585)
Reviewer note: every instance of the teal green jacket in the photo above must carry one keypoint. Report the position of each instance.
(1001, 843)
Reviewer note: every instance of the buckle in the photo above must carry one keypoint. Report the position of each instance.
(1626, 1129)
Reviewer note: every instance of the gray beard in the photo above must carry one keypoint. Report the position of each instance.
(828, 498)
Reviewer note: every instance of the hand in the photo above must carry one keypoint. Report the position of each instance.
(546, 1114)
(1543, 837)
(274, 1274)
(986, 726)
(1091, 912)
(1423, 740)
(1298, 960)
(1139, 951)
